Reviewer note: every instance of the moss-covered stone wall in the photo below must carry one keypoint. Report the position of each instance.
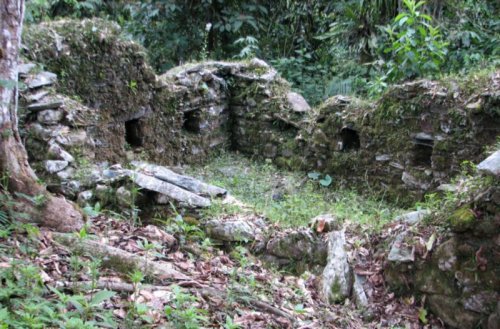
(411, 140)
(178, 117)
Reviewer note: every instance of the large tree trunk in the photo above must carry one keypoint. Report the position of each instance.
(55, 212)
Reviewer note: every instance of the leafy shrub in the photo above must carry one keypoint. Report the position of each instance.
(416, 47)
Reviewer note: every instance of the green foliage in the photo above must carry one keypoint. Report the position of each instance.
(323, 48)
(40, 10)
(324, 181)
(24, 303)
(416, 47)
(93, 211)
(183, 229)
(182, 312)
(230, 324)
(249, 47)
(472, 29)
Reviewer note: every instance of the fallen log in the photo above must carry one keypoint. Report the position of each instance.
(120, 260)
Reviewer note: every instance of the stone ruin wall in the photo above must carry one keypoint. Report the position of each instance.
(413, 140)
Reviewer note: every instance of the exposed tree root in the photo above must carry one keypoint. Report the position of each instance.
(120, 260)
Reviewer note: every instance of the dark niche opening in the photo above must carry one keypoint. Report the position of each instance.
(133, 133)
(192, 121)
(422, 155)
(422, 150)
(350, 139)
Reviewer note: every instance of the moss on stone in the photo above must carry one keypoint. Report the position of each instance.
(462, 219)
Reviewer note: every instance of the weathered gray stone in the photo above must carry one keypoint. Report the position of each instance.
(35, 107)
(400, 252)
(231, 230)
(297, 102)
(37, 131)
(414, 183)
(24, 69)
(162, 199)
(259, 63)
(383, 157)
(482, 302)
(124, 197)
(70, 188)
(72, 138)
(424, 137)
(53, 166)
(172, 191)
(325, 223)
(358, 291)
(446, 255)
(337, 278)
(413, 217)
(189, 183)
(66, 174)
(50, 117)
(491, 165)
(84, 198)
(59, 153)
(298, 245)
(36, 97)
(42, 79)
(450, 310)
(104, 193)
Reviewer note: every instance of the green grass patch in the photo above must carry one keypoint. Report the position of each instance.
(290, 199)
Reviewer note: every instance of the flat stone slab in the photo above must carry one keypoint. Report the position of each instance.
(50, 117)
(170, 190)
(38, 96)
(24, 69)
(400, 252)
(53, 166)
(232, 230)
(297, 102)
(189, 183)
(491, 165)
(42, 79)
(413, 217)
(44, 106)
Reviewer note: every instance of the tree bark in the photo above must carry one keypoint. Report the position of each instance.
(55, 212)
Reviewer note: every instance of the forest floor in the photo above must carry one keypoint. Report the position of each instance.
(47, 282)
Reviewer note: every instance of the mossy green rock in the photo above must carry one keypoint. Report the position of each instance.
(462, 219)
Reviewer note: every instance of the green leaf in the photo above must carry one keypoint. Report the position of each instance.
(101, 296)
(314, 175)
(4, 314)
(422, 315)
(400, 16)
(403, 20)
(326, 181)
(73, 300)
(426, 17)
